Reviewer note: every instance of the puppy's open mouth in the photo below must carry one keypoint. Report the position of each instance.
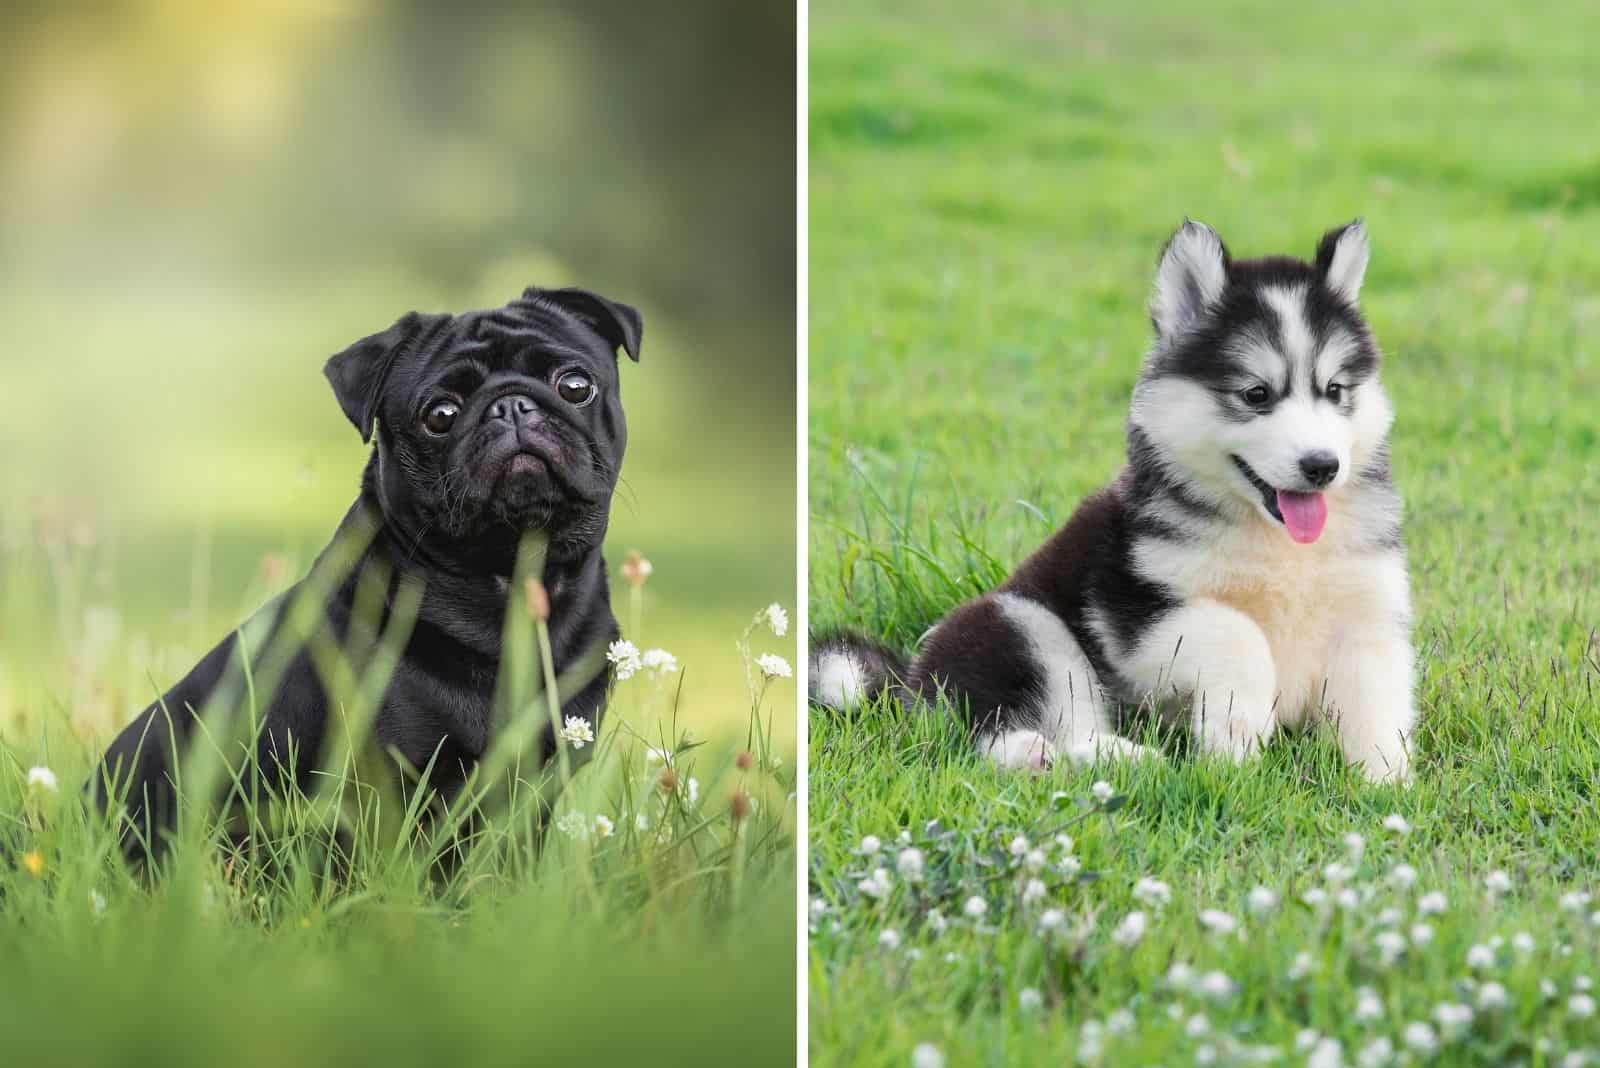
(1303, 515)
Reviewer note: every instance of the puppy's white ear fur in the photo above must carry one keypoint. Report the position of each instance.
(1191, 278)
(1342, 256)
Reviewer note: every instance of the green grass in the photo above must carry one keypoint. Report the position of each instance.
(989, 189)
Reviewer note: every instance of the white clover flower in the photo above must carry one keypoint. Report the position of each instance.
(889, 939)
(1033, 892)
(1120, 1022)
(1306, 1039)
(870, 844)
(1355, 845)
(1300, 967)
(1152, 892)
(1216, 986)
(577, 731)
(1069, 866)
(1029, 999)
(1034, 861)
(1480, 956)
(1337, 873)
(1130, 932)
(976, 907)
(1102, 791)
(603, 827)
(1547, 989)
(573, 825)
(1403, 876)
(1583, 982)
(1421, 934)
(773, 666)
(41, 780)
(1261, 900)
(1064, 842)
(876, 885)
(1391, 944)
(936, 922)
(1218, 922)
(1396, 823)
(1432, 903)
(1197, 1025)
(1390, 917)
(97, 903)
(1420, 1037)
(1180, 976)
(1205, 1055)
(1492, 996)
(1581, 1006)
(1575, 1059)
(1315, 896)
(659, 661)
(927, 1055)
(1347, 899)
(1328, 1053)
(1052, 920)
(1454, 1019)
(1369, 1006)
(909, 864)
(1376, 1054)
(1522, 942)
(776, 618)
(1497, 882)
(1575, 900)
(1019, 846)
(624, 657)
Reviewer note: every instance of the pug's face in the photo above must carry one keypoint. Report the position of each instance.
(495, 423)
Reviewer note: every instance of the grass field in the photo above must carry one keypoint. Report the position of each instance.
(989, 189)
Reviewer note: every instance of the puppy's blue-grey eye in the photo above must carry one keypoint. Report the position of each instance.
(1256, 395)
(1335, 392)
(575, 388)
(440, 418)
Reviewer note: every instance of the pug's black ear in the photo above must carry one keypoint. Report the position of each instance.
(618, 323)
(359, 372)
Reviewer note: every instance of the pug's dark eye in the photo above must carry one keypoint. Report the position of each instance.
(575, 388)
(440, 418)
(1335, 392)
(1256, 395)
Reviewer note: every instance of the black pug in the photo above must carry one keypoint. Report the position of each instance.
(490, 426)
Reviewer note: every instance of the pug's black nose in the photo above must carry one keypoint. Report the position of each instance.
(514, 409)
(1319, 468)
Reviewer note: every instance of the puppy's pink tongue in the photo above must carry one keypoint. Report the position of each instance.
(1303, 515)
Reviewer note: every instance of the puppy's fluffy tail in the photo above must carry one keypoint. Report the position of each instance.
(849, 670)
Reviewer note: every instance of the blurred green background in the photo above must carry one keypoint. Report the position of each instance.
(200, 203)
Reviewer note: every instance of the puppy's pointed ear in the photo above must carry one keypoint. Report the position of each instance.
(618, 323)
(1342, 256)
(359, 372)
(1191, 278)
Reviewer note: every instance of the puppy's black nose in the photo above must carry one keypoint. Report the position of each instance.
(1319, 467)
(515, 408)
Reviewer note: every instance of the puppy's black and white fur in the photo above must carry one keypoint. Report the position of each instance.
(1246, 566)
(490, 426)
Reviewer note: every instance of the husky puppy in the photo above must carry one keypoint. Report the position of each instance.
(1244, 570)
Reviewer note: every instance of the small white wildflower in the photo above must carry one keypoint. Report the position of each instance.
(1376, 1054)
(1480, 956)
(1421, 934)
(936, 922)
(1492, 996)
(1052, 920)
(1152, 892)
(1522, 942)
(1306, 1039)
(1261, 900)
(1120, 1022)
(1547, 989)
(913, 953)
(1035, 860)
(927, 1055)
(1355, 845)
(97, 903)
(1369, 1006)
(1130, 932)
(1102, 791)
(624, 656)
(1575, 1059)
(1064, 842)
(1069, 866)
(1396, 823)
(1582, 982)
(1403, 876)
(1581, 1005)
(1420, 1037)
(876, 885)
(1180, 976)
(870, 844)
(776, 618)
(1390, 945)
(976, 907)
(774, 666)
(603, 827)
(659, 661)
(573, 825)
(889, 939)
(1205, 1055)
(1315, 896)
(1301, 966)
(910, 865)
(1216, 986)
(641, 821)
(1337, 873)
(1497, 882)
(1390, 917)
(1218, 922)
(1347, 898)
(1328, 1053)
(658, 756)
(1197, 1025)
(1019, 846)
(41, 780)
(577, 731)
(1432, 903)
(1029, 999)
(1575, 901)
(1454, 1019)
(694, 790)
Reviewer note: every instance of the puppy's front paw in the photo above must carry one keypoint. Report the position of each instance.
(1023, 750)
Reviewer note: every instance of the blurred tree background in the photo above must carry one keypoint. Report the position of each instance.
(200, 202)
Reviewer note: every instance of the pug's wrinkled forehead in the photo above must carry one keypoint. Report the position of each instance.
(572, 324)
